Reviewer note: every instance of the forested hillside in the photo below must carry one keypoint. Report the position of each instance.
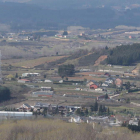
(120, 55)
(24, 16)
(79, 58)
(124, 55)
(21, 16)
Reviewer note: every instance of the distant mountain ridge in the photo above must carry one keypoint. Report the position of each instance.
(21, 16)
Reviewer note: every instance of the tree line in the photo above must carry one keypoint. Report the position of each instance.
(95, 108)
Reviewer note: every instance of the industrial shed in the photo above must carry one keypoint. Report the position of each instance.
(16, 115)
(42, 94)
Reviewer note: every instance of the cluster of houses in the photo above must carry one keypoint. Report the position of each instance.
(26, 110)
(32, 78)
(51, 109)
(109, 81)
(106, 121)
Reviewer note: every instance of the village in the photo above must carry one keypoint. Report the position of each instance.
(77, 101)
(96, 92)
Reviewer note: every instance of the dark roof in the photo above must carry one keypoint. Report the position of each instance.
(27, 105)
(111, 78)
(93, 81)
(41, 104)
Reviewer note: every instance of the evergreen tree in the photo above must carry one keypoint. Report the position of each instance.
(5, 94)
(56, 110)
(56, 53)
(65, 33)
(108, 111)
(139, 123)
(100, 109)
(92, 108)
(78, 111)
(86, 112)
(16, 76)
(45, 112)
(127, 85)
(35, 113)
(103, 109)
(96, 106)
(128, 100)
(62, 113)
(106, 48)
(45, 76)
(106, 96)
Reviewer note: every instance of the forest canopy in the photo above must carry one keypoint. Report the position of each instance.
(66, 70)
(124, 55)
(5, 94)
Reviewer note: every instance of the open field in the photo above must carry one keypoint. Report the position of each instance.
(36, 62)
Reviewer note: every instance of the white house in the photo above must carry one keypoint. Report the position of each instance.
(61, 81)
(30, 74)
(105, 85)
(48, 81)
(99, 89)
(133, 122)
(76, 119)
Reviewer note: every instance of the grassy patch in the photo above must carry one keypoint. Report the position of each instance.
(36, 62)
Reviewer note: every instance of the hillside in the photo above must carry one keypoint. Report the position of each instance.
(100, 59)
(81, 58)
(36, 62)
(120, 55)
(21, 16)
(124, 55)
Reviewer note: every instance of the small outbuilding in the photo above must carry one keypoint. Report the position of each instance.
(119, 82)
(93, 86)
(23, 81)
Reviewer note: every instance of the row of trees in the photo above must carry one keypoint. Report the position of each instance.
(82, 112)
(134, 127)
(100, 109)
